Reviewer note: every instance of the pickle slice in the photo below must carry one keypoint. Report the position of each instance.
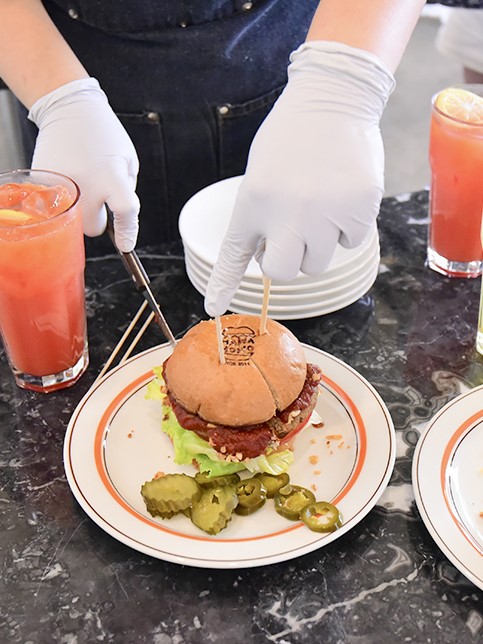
(166, 496)
(204, 480)
(212, 511)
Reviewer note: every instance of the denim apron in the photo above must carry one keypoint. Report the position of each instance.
(191, 82)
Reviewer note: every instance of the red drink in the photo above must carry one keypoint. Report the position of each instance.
(42, 307)
(456, 157)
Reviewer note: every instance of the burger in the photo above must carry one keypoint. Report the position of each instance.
(236, 404)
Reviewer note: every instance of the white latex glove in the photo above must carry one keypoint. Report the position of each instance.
(81, 137)
(315, 172)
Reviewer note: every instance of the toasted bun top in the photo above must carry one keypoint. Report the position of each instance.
(262, 373)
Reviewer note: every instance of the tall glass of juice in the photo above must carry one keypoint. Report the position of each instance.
(456, 195)
(42, 293)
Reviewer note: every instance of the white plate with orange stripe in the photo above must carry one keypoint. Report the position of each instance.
(114, 444)
(448, 482)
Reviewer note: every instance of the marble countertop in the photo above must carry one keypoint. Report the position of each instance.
(63, 579)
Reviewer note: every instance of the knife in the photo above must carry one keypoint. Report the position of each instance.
(141, 280)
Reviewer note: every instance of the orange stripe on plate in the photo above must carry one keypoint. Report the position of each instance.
(101, 469)
(361, 454)
(442, 475)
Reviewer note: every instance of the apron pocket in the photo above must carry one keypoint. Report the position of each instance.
(237, 125)
(146, 132)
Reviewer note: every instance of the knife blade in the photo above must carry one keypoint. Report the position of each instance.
(140, 278)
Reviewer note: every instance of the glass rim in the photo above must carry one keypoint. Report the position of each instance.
(31, 171)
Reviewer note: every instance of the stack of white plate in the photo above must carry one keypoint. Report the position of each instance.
(203, 223)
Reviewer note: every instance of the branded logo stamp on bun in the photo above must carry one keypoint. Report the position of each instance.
(238, 344)
(241, 414)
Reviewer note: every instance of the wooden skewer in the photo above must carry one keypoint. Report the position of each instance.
(139, 335)
(122, 340)
(266, 295)
(219, 336)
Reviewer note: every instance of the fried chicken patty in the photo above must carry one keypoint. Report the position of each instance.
(249, 441)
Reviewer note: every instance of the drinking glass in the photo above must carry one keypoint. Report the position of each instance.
(456, 195)
(42, 294)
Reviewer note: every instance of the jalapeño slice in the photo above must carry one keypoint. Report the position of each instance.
(290, 505)
(273, 482)
(251, 496)
(321, 517)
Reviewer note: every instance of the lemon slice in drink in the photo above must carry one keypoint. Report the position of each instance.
(461, 104)
(13, 216)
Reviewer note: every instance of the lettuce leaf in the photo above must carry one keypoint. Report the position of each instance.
(155, 390)
(189, 447)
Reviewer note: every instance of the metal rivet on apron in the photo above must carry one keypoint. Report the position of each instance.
(223, 110)
(246, 6)
(152, 116)
(73, 13)
(183, 24)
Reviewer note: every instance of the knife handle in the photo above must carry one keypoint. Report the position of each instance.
(130, 260)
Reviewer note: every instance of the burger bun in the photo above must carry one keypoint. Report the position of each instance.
(261, 373)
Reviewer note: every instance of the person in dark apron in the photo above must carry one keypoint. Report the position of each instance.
(192, 83)
(188, 80)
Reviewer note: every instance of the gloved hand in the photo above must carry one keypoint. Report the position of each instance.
(81, 137)
(315, 172)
